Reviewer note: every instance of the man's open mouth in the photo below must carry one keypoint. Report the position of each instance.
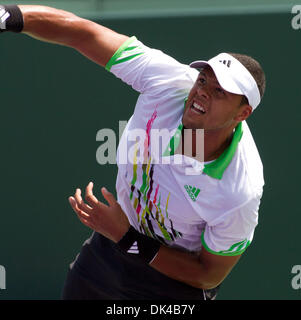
(198, 108)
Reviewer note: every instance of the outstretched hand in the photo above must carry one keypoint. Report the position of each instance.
(109, 220)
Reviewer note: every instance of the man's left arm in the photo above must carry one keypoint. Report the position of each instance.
(205, 270)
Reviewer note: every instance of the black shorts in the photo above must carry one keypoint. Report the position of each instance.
(102, 271)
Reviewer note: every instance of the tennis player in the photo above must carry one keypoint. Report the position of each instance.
(180, 223)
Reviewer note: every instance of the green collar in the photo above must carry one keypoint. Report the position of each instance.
(216, 168)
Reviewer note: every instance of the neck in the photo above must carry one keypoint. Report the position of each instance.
(215, 143)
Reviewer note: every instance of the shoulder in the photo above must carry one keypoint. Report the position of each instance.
(149, 70)
(244, 177)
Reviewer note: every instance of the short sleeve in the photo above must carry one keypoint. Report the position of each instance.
(149, 70)
(233, 232)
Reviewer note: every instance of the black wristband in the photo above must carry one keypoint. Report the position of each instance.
(137, 244)
(11, 18)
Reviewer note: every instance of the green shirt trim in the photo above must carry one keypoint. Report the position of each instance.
(217, 168)
(124, 47)
(234, 250)
(174, 142)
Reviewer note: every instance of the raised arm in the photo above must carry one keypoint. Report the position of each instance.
(94, 41)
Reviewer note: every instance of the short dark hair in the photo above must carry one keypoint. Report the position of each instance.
(254, 67)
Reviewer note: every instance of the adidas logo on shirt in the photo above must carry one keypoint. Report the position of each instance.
(134, 248)
(193, 192)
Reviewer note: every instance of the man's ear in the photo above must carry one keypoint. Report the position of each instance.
(244, 112)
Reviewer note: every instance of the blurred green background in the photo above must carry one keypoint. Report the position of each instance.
(54, 101)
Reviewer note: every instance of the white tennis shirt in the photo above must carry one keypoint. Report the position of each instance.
(217, 207)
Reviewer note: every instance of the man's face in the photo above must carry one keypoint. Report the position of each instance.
(209, 106)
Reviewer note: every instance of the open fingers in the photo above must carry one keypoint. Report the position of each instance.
(91, 199)
(84, 217)
(108, 196)
(78, 211)
(80, 203)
